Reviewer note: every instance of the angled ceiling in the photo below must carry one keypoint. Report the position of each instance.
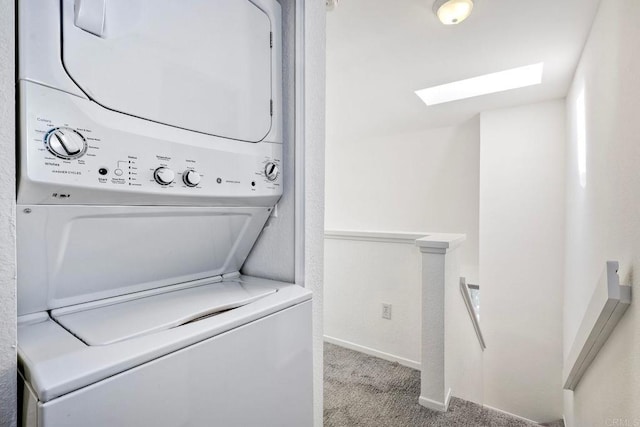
(380, 51)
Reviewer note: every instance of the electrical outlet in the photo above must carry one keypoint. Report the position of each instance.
(386, 311)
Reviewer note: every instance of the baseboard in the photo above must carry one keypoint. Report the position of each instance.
(434, 405)
(447, 400)
(372, 352)
(510, 414)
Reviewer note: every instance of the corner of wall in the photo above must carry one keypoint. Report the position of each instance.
(314, 137)
(522, 224)
(8, 367)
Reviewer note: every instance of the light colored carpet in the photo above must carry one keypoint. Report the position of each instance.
(361, 390)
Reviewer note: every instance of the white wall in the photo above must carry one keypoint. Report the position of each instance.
(603, 217)
(360, 276)
(396, 182)
(521, 258)
(464, 356)
(314, 140)
(8, 367)
(398, 178)
(409, 182)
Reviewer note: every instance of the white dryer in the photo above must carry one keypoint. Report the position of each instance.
(150, 159)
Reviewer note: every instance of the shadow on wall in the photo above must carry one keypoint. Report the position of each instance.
(7, 394)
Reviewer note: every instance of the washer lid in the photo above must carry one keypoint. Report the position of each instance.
(199, 65)
(108, 324)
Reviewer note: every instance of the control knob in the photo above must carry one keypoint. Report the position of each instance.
(271, 171)
(191, 178)
(164, 176)
(65, 143)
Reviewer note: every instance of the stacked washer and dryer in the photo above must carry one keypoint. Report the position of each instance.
(151, 136)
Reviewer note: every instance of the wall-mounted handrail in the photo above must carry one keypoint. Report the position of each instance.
(464, 290)
(608, 303)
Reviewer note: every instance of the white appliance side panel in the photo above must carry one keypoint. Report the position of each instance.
(198, 65)
(257, 375)
(28, 411)
(40, 54)
(73, 254)
(123, 152)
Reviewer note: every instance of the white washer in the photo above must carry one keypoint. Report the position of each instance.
(150, 160)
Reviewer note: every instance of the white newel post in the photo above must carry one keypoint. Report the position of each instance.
(439, 270)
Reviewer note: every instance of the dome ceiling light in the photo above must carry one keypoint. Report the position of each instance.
(451, 12)
(331, 4)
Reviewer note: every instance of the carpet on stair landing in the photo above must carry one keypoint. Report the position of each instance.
(362, 390)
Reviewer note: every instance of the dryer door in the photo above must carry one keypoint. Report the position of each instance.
(200, 65)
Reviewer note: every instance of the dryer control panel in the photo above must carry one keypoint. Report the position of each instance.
(71, 157)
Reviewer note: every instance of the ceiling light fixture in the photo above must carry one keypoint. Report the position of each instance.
(482, 85)
(451, 12)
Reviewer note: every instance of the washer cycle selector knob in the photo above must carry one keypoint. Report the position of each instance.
(191, 178)
(164, 176)
(65, 143)
(271, 171)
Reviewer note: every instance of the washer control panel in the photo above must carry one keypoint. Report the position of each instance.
(68, 157)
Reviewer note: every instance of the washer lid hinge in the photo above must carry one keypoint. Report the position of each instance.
(271, 107)
(271, 40)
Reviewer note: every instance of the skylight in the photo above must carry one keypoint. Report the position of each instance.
(482, 85)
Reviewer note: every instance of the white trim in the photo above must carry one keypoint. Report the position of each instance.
(375, 236)
(510, 414)
(299, 138)
(436, 406)
(371, 352)
(447, 400)
(440, 242)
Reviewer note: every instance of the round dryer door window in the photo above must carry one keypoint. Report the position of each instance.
(200, 65)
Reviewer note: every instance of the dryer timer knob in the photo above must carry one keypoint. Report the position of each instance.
(191, 178)
(65, 143)
(271, 171)
(164, 176)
